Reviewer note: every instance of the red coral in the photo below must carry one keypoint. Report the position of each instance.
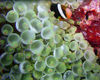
(89, 15)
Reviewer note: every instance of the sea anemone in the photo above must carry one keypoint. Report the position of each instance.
(34, 45)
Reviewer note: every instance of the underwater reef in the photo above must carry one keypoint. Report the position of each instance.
(35, 45)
